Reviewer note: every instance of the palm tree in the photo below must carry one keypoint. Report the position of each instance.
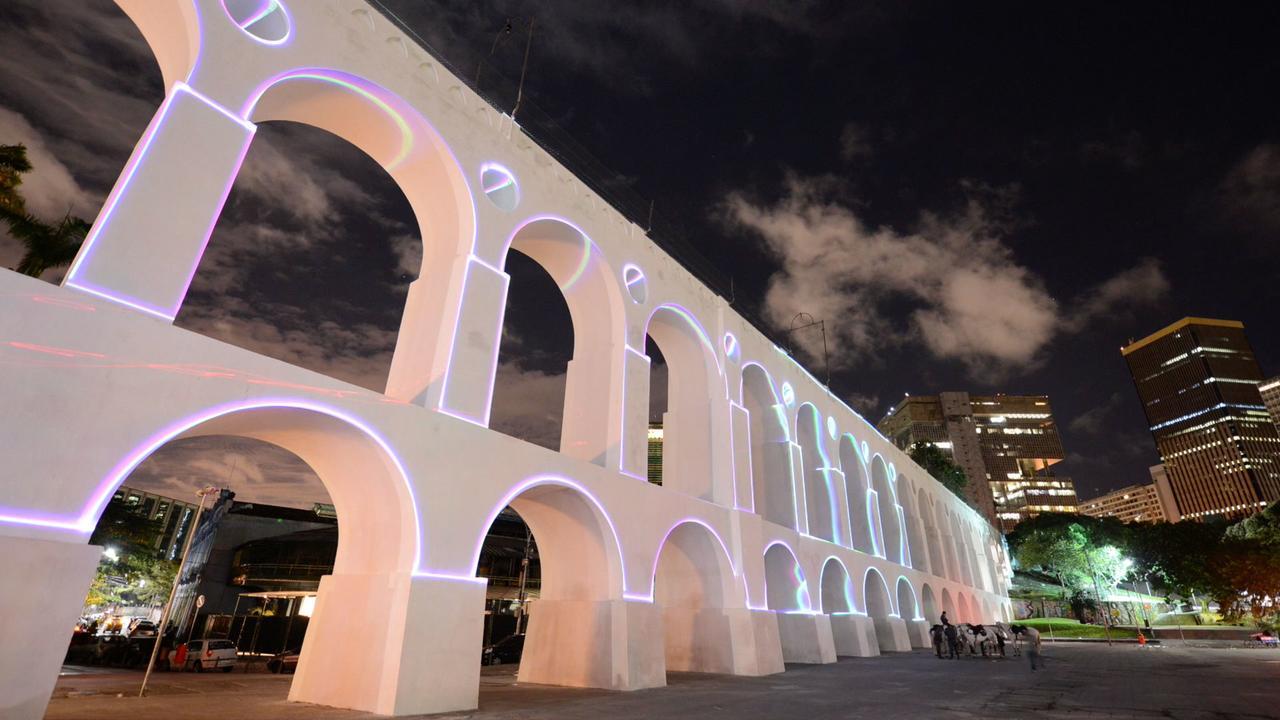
(47, 246)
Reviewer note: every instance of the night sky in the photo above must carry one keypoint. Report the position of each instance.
(991, 197)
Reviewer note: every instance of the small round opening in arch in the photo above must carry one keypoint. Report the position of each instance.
(500, 187)
(730, 346)
(264, 20)
(788, 394)
(831, 427)
(633, 277)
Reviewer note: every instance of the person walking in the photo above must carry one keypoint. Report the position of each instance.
(953, 640)
(945, 622)
(1032, 637)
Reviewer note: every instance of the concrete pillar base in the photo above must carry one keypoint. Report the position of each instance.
(43, 584)
(891, 633)
(918, 633)
(806, 638)
(393, 644)
(854, 636)
(733, 641)
(612, 644)
(758, 630)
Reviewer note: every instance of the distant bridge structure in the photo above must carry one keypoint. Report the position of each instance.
(786, 528)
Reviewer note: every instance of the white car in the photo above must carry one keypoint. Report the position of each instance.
(206, 654)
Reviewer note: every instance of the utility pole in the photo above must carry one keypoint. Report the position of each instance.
(821, 324)
(173, 591)
(524, 578)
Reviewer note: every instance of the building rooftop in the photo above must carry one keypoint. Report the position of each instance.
(1178, 326)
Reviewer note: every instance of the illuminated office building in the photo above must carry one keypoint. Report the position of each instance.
(1006, 445)
(1198, 383)
(1135, 503)
(1270, 391)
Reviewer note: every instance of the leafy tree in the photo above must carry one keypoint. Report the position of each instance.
(46, 246)
(1247, 574)
(132, 572)
(1263, 527)
(942, 468)
(1180, 557)
(13, 163)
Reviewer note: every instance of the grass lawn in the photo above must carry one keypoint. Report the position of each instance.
(1064, 628)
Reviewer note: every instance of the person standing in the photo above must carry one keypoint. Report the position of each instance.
(936, 635)
(945, 622)
(1032, 637)
(953, 640)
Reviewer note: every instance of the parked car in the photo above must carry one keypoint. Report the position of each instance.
(507, 650)
(140, 628)
(204, 655)
(285, 662)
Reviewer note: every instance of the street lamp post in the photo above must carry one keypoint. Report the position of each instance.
(202, 493)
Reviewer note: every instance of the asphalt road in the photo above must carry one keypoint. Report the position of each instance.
(1080, 681)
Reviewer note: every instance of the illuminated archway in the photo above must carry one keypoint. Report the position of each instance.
(929, 604)
(879, 606)
(924, 506)
(916, 551)
(785, 586)
(594, 299)
(887, 506)
(908, 608)
(771, 482)
(370, 491)
(836, 588)
(693, 582)
(862, 510)
(820, 484)
(693, 383)
(581, 564)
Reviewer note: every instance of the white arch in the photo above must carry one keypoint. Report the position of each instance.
(780, 578)
(844, 585)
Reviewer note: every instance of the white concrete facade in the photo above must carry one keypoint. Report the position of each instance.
(787, 529)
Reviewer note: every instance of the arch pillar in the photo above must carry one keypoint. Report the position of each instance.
(447, 348)
(891, 634)
(172, 189)
(918, 633)
(42, 588)
(854, 635)
(806, 637)
(421, 652)
(614, 644)
(593, 408)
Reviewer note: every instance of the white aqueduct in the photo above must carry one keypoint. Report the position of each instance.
(787, 529)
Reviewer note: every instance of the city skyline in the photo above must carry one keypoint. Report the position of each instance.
(1005, 252)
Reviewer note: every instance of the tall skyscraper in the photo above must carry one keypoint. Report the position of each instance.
(1270, 390)
(1198, 383)
(1006, 445)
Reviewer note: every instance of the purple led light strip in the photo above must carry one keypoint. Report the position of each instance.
(72, 278)
(85, 522)
(653, 575)
(551, 480)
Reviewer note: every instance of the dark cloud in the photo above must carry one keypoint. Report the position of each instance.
(1250, 193)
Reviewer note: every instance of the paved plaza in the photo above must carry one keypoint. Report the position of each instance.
(1080, 681)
